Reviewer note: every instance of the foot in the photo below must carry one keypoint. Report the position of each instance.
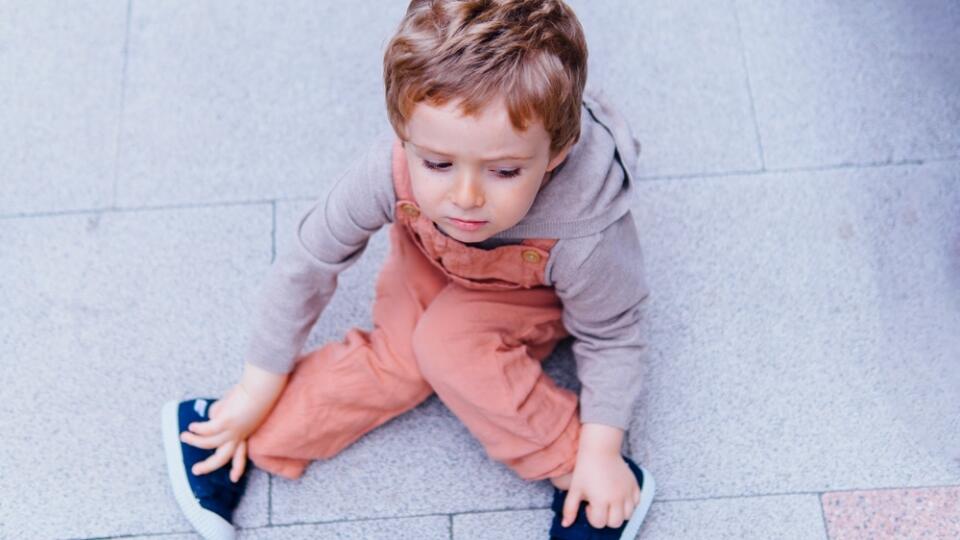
(208, 500)
(581, 529)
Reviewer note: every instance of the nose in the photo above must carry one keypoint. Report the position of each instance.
(467, 192)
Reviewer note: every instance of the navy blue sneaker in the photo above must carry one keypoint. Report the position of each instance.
(208, 500)
(581, 529)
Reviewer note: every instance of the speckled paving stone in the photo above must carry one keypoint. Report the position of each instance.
(249, 100)
(676, 69)
(931, 513)
(424, 461)
(105, 318)
(60, 78)
(853, 82)
(416, 528)
(804, 331)
(796, 517)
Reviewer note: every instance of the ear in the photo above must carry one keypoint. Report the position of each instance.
(558, 158)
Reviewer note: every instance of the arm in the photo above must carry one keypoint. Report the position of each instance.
(605, 318)
(299, 285)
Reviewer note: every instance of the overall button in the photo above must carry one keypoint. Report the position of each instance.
(531, 256)
(410, 210)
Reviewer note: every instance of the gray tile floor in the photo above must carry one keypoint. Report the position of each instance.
(800, 215)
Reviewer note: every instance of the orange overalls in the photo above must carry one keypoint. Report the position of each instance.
(470, 324)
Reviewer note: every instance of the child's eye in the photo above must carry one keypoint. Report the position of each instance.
(435, 165)
(507, 173)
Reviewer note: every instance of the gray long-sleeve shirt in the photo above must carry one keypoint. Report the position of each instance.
(596, 267)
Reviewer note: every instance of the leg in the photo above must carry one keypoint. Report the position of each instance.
(340, 391)
(481, 353)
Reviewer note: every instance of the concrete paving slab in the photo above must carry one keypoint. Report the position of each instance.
(796, 517)
(107, 317)
(895, 513)
(415, 528)
(497, 525)
(848, 82)
(804, 331)
(249, 100)
(677, 71)
(61, 67)
(422, 462)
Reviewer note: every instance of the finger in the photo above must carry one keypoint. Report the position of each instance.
(597, 514)
(206, 428)
(239, 462)
(636, 497)
(570, 507)
(207, 443)
(615, 515)
(628, 507)
(217, 460)
(215, 409)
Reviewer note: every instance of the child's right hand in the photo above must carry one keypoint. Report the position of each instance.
(232, 419)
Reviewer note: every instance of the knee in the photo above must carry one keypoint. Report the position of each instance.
(438, 341)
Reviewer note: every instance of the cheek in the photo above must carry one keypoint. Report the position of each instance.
(426, 191)
(516, 200)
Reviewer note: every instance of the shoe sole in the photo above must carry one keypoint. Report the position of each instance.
(207, 523)
(640, 512)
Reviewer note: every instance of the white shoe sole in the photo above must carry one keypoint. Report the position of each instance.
(640, 512)
(208, 524)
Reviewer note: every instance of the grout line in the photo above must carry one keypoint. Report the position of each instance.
(450, 525)
(889, 488)
(498, 510)
(823, 516)
(273, 233)
(692, 176)
(746, 71)
(340, 521)
(133, 535)
(134, 209)
(123, 104)
(269, 499)
(818, 168)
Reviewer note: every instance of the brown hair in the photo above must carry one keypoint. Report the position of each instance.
(530, 52)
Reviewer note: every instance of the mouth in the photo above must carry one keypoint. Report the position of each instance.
(466, 225)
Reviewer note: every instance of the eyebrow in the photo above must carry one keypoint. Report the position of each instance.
(495, 158)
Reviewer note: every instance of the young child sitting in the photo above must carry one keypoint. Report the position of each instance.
(508, 190)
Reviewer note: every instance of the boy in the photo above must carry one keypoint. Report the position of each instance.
(508, 190)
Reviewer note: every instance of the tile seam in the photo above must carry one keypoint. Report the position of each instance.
(343, 521)
(812, 168)
(132, 209)
(746, 72)
(823, 517)
(123, 104)
(450, 516)
(269, 499)
(642, 179)
(251, 202)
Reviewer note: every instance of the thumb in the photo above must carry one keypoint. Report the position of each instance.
(570, 507)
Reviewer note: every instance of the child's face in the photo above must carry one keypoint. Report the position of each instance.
(475, 176)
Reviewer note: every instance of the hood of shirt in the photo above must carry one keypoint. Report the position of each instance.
(592, 187)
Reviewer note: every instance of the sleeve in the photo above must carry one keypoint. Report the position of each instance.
(602, 285)
(329, 238)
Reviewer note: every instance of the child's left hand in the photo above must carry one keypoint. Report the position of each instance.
(605, 481)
